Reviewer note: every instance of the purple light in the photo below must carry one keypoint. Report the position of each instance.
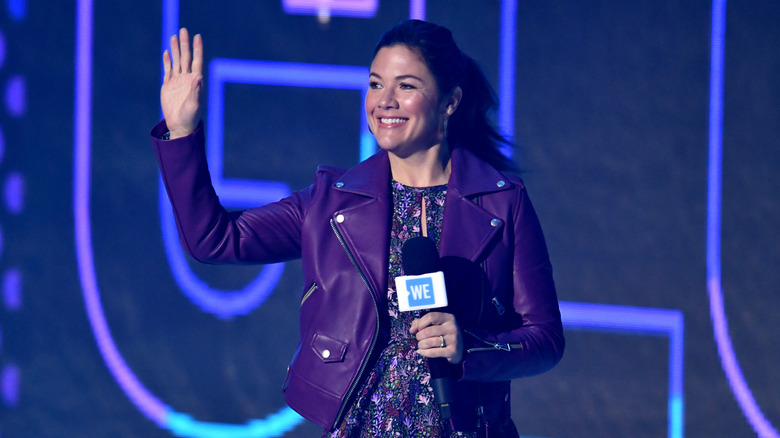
(417, 9)
(149, 404)
(506, 111)
(2, 145)
(14, 192)
(728, 357)
(10, 385)
(12, 289)
(2, 49)
(342, 8)
(15, 99)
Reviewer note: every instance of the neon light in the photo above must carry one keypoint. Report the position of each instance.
(14, 192)
(417, 9)
(729, 361)
(17, 9)
(275, 425)
(639, 321)
(10, 385)
(280, 74)
(151, 406)
(341, 8)
(12, 289)
(15, 99)
(2, 48)
(148, 404)
(577, 315)
(506, 80)
(224, 304)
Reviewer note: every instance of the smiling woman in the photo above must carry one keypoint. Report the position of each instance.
(439, 174)
(408, 115)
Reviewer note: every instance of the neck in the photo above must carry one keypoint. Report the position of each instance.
(427, 168)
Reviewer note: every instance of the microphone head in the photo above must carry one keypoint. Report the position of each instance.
(420, 256)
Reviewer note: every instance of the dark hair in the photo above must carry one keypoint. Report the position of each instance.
(471, 126)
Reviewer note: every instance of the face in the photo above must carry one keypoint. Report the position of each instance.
(403, 104)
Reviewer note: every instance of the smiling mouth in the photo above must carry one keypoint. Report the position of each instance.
(391, 120)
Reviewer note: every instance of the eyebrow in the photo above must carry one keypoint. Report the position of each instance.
(398, 78)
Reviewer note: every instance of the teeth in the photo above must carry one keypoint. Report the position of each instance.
(391, 120)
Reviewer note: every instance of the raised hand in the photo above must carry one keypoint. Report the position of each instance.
(182, 84)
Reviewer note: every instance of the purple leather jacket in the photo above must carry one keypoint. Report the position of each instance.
(499, 277)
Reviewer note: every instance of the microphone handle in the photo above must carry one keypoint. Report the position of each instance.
(441, 382)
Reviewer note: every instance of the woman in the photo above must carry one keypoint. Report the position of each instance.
(360, 367)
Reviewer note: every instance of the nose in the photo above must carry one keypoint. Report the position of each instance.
(387, 99)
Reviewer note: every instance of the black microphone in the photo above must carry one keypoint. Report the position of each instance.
(419, 257)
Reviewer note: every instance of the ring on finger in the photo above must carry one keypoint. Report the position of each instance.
(442, 344)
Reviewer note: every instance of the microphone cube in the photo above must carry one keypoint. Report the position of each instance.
(420, 292)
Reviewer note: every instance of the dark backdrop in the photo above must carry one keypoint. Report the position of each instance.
(611, 110)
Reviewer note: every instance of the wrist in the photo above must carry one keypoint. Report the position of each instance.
(173, 134)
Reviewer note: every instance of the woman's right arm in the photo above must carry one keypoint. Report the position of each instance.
(207, 231)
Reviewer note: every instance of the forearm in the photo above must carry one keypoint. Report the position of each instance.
(207, 231)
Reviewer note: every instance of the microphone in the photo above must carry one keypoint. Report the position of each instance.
(423, 288)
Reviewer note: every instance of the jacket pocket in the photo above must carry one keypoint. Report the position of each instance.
(328, 349)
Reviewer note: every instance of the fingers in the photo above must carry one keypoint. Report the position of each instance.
(438, 335)
(186, 55)
(181, 58)
(197, 54)
(431, 319)
(175, 56)
(167, 65)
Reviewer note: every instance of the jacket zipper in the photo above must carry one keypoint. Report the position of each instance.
(363, 365)
(492, 346)
(308, 293)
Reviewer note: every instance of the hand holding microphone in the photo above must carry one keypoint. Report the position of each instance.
(437, 333)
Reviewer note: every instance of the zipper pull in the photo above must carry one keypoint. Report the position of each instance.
(499, 308)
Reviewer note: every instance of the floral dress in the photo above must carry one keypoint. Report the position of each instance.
(396, 399)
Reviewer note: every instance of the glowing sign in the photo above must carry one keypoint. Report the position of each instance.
(576, 315)
(343, 8)
(728, 358)
(639, 321)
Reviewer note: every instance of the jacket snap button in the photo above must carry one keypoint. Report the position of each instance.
(326, 353)
(339, 184)
(495, 222)
(340, 218)
(501, 183)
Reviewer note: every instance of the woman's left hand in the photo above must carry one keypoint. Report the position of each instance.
(435, 328)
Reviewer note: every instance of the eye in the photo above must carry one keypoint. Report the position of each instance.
(374, 85)
(407, 86)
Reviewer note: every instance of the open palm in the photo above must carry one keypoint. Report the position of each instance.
(182, 84)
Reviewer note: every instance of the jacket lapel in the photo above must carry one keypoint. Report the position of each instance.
(366, 219)
(467, 228)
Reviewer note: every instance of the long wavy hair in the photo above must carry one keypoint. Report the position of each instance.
(472, 126)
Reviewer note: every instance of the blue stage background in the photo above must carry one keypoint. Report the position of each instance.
(107, 331)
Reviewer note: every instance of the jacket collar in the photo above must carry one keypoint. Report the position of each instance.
(470, 176)
(370, 177)
(468, 229)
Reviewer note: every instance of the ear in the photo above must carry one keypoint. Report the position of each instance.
(453, 101)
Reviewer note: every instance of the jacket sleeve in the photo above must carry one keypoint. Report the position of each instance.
(532, 341)
(207, 231)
